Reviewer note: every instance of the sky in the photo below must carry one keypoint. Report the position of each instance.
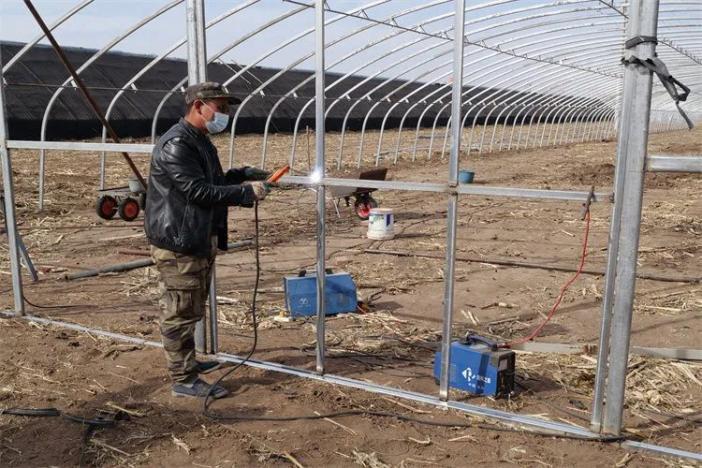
(102, 20)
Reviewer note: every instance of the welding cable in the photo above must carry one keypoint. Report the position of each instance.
(90, 424)
(536, 331)
(53, 412)
(57, 306)
(254, 320)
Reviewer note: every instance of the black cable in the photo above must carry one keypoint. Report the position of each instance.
(58, 306)
(254, 319)
(35, 412)
(53, 412)
(91, 424)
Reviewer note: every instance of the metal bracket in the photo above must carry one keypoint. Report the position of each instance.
(634, 41)
(656, 65)
(588, 202)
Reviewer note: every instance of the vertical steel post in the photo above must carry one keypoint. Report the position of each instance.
(631, 156)
(9, 209)
(197, 48)
(610, 276)
(214, 328)
(201, 42)
(42, 179)
(320, 172)
(612, 253)
(197, 73)
(456, 101)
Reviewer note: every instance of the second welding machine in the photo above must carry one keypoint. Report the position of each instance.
(301, 294)
(478, 366)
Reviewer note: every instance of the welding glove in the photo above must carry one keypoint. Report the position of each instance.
(260, 189)
(254, 173)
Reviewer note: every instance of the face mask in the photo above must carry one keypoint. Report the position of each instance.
(218, 123)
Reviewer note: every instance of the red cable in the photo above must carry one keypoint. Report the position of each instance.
(565, 287)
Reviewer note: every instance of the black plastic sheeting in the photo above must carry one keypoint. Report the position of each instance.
(30, 83)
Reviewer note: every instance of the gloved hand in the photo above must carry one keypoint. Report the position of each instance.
(260, 189)
(254, 173)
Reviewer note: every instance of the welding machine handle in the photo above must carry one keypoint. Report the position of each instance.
(470, 338)
(303, 273)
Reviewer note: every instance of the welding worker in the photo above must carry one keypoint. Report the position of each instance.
(186, 222)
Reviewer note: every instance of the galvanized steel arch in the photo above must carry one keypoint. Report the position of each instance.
(556, 41)
(58, 22)
(163, 55)
(116, 40)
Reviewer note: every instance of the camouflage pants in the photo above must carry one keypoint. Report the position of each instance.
(183, 286)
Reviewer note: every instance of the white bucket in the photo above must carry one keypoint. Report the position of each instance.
(381, 224)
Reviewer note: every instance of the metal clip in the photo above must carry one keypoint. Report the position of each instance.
(588, 201)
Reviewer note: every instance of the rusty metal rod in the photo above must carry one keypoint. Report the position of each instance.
(500, 262)
(134, 264)
(91, 102)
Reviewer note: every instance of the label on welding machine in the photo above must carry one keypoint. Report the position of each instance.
(471, 378)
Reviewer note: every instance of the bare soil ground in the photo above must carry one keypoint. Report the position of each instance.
(393, 344)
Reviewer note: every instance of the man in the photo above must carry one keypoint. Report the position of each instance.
(186, 222)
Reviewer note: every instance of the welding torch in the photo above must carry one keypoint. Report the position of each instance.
(277, 175)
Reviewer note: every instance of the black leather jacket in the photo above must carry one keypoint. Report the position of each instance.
(188, 193)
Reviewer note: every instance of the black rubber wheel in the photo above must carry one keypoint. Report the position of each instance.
(128, 209)
(106, 207)
(364, 205)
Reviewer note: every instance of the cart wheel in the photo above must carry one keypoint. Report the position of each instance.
(106, 207)
(364, 205)
(142, 200)
(128, 209)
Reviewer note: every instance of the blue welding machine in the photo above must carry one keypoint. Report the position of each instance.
(479, 367)
(301, 294)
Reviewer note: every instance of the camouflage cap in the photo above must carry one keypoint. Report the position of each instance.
(208, 90)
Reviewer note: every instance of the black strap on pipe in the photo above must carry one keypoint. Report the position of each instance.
(636, 40)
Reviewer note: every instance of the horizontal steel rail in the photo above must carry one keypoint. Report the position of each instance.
(673, 163)
(79, 146)
(486, 191)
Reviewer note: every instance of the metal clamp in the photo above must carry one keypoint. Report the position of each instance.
(588, 201)
(634, 41)
(656, 65)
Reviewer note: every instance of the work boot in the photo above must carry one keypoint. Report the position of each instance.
(198, 389)
(205, 367)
